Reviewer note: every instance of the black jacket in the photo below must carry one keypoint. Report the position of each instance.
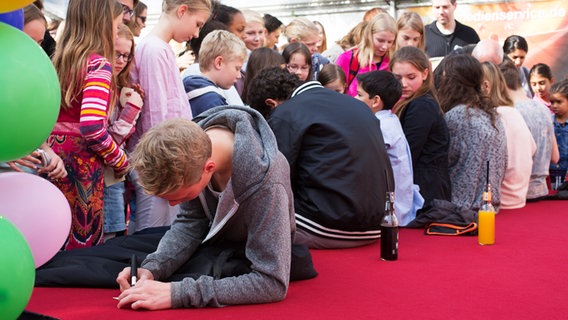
(439, 45)
(338, 162)
(428, 138)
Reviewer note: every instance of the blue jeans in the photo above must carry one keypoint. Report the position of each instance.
(559, 170)
(114, 216)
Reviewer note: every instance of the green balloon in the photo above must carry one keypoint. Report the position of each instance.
(17, 271)
(29, 94)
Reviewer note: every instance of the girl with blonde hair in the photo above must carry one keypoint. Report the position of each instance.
(410, 31)
(494, 85)
(157, 73)
(322, 44)
(82, 61)
(254, 38)
(304, 31)
(255, 33)
(372, 53)
(520, 143)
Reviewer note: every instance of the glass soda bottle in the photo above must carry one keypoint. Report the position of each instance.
(389, 231)
(486, 219)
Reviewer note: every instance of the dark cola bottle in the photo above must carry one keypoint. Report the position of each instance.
(389, 231)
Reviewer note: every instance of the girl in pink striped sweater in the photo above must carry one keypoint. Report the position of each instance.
(88, 90)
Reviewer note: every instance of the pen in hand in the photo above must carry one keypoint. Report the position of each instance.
(133, 270)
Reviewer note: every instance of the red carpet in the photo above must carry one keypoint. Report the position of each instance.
(523, 276)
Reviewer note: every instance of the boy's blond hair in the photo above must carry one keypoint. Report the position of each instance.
(220, 43)
(171, 155)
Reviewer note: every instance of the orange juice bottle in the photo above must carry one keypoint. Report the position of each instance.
(486, 220)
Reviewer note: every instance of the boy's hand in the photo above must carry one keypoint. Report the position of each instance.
(123, 278)
(146, 294)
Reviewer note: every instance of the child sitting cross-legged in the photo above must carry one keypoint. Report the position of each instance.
(380, 90)
(221, 57)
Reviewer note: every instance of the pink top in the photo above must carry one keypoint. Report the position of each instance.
(520, 150)
(344, 61)
(157, 73)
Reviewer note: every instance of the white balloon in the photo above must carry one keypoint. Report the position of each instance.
(38, 209)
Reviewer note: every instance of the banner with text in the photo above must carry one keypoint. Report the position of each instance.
(544, 24)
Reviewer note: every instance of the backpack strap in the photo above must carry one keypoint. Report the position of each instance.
(353, 67)
(448, 229)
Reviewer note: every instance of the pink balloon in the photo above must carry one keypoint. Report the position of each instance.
(38, 209)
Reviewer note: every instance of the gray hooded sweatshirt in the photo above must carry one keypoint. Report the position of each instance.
(256, 208)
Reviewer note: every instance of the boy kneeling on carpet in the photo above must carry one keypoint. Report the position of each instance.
(234, 189)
